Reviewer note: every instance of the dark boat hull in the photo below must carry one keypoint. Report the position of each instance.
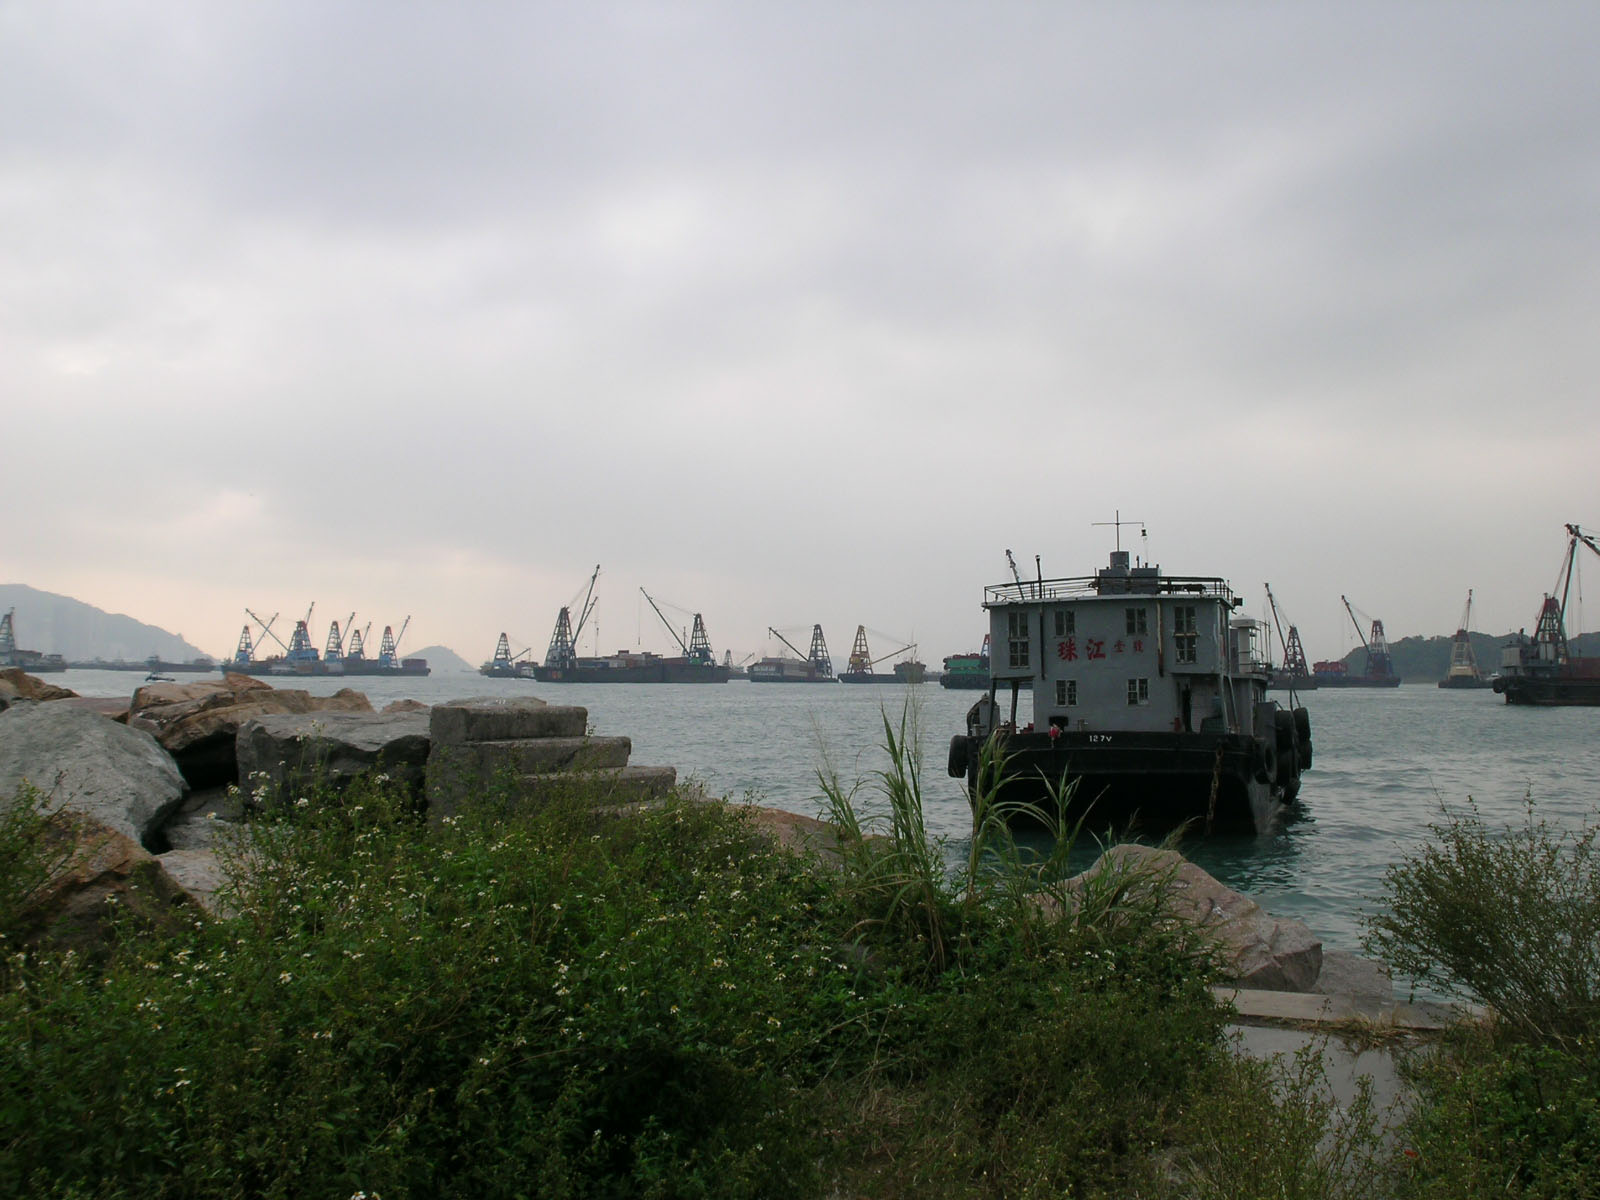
(1464, 683)
(1336, 681)
(660, 672)
(1213, 780)
(1550, 692)
(278, 666)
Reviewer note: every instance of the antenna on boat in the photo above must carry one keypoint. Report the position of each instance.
(1119, 523)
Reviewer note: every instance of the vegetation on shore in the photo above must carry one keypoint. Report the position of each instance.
(567, 1003)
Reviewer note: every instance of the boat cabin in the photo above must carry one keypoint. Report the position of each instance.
(1127, 649)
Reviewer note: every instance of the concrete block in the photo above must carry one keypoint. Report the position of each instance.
(504, 718)
(458, 772)
(487, 761)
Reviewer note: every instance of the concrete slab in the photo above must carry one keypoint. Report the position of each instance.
(502, 718)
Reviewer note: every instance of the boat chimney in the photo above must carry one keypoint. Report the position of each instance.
(1119, 560)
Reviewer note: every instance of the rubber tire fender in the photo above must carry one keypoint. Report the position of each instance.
(957, 765)
(1267, 760)
(1302, 727)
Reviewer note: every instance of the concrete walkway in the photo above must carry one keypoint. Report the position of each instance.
(1359, 1030)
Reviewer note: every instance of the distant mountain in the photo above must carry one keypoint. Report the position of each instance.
(443, 660)
(53, 624)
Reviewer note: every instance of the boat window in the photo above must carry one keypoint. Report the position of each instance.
(1137, 621)
(1183, 633)
(1066, 693)
(1017, 638)
(1138, 691)
(1066, 622)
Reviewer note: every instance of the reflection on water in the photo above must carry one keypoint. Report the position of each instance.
(1387, 764)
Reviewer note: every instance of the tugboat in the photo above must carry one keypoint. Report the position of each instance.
(1543, 671)
(1149, 696)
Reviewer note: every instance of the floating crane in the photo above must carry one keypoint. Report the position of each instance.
(389, 647)
(1463, 671)
(334, 650)
(1380, 667)
(821, 664)
(246, 651)
(698, 649)
(563, 651)
(300, 648)
(1296, 671)
(859, 668)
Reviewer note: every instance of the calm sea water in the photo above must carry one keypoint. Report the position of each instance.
(1388, 763)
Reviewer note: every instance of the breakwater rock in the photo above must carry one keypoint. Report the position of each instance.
(198, 723)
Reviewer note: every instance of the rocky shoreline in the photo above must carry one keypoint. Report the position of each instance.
(150, 784)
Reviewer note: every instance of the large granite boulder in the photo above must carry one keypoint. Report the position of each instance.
(282, 750)
(99, 876)
(16, 684)
(1257, 949)
(91, 764)
(199, 723)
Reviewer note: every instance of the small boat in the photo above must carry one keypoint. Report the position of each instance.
(1149, 697)
(157, 677)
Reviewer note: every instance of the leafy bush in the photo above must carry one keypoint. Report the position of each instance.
(1505, 1118)
(1509, 916)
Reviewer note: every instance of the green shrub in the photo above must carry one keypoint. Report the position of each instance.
(1509, 916)
(1504, 1118)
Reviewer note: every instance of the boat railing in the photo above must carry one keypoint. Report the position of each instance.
(1033, 591)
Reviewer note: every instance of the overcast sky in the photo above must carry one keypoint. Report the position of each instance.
(793, 313)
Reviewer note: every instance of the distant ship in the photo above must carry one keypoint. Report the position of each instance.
(861, 664)
(1379, 672)
(563, 664)
(1294, 675)
(815, 667)
(31, 661)
(1463, 671)
(1542, 671)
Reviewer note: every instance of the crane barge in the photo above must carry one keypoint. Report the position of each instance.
(1463, 671)
(1542, 670)
(562, 664)
(1379, 670)
(861, 664)
(814, 667)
